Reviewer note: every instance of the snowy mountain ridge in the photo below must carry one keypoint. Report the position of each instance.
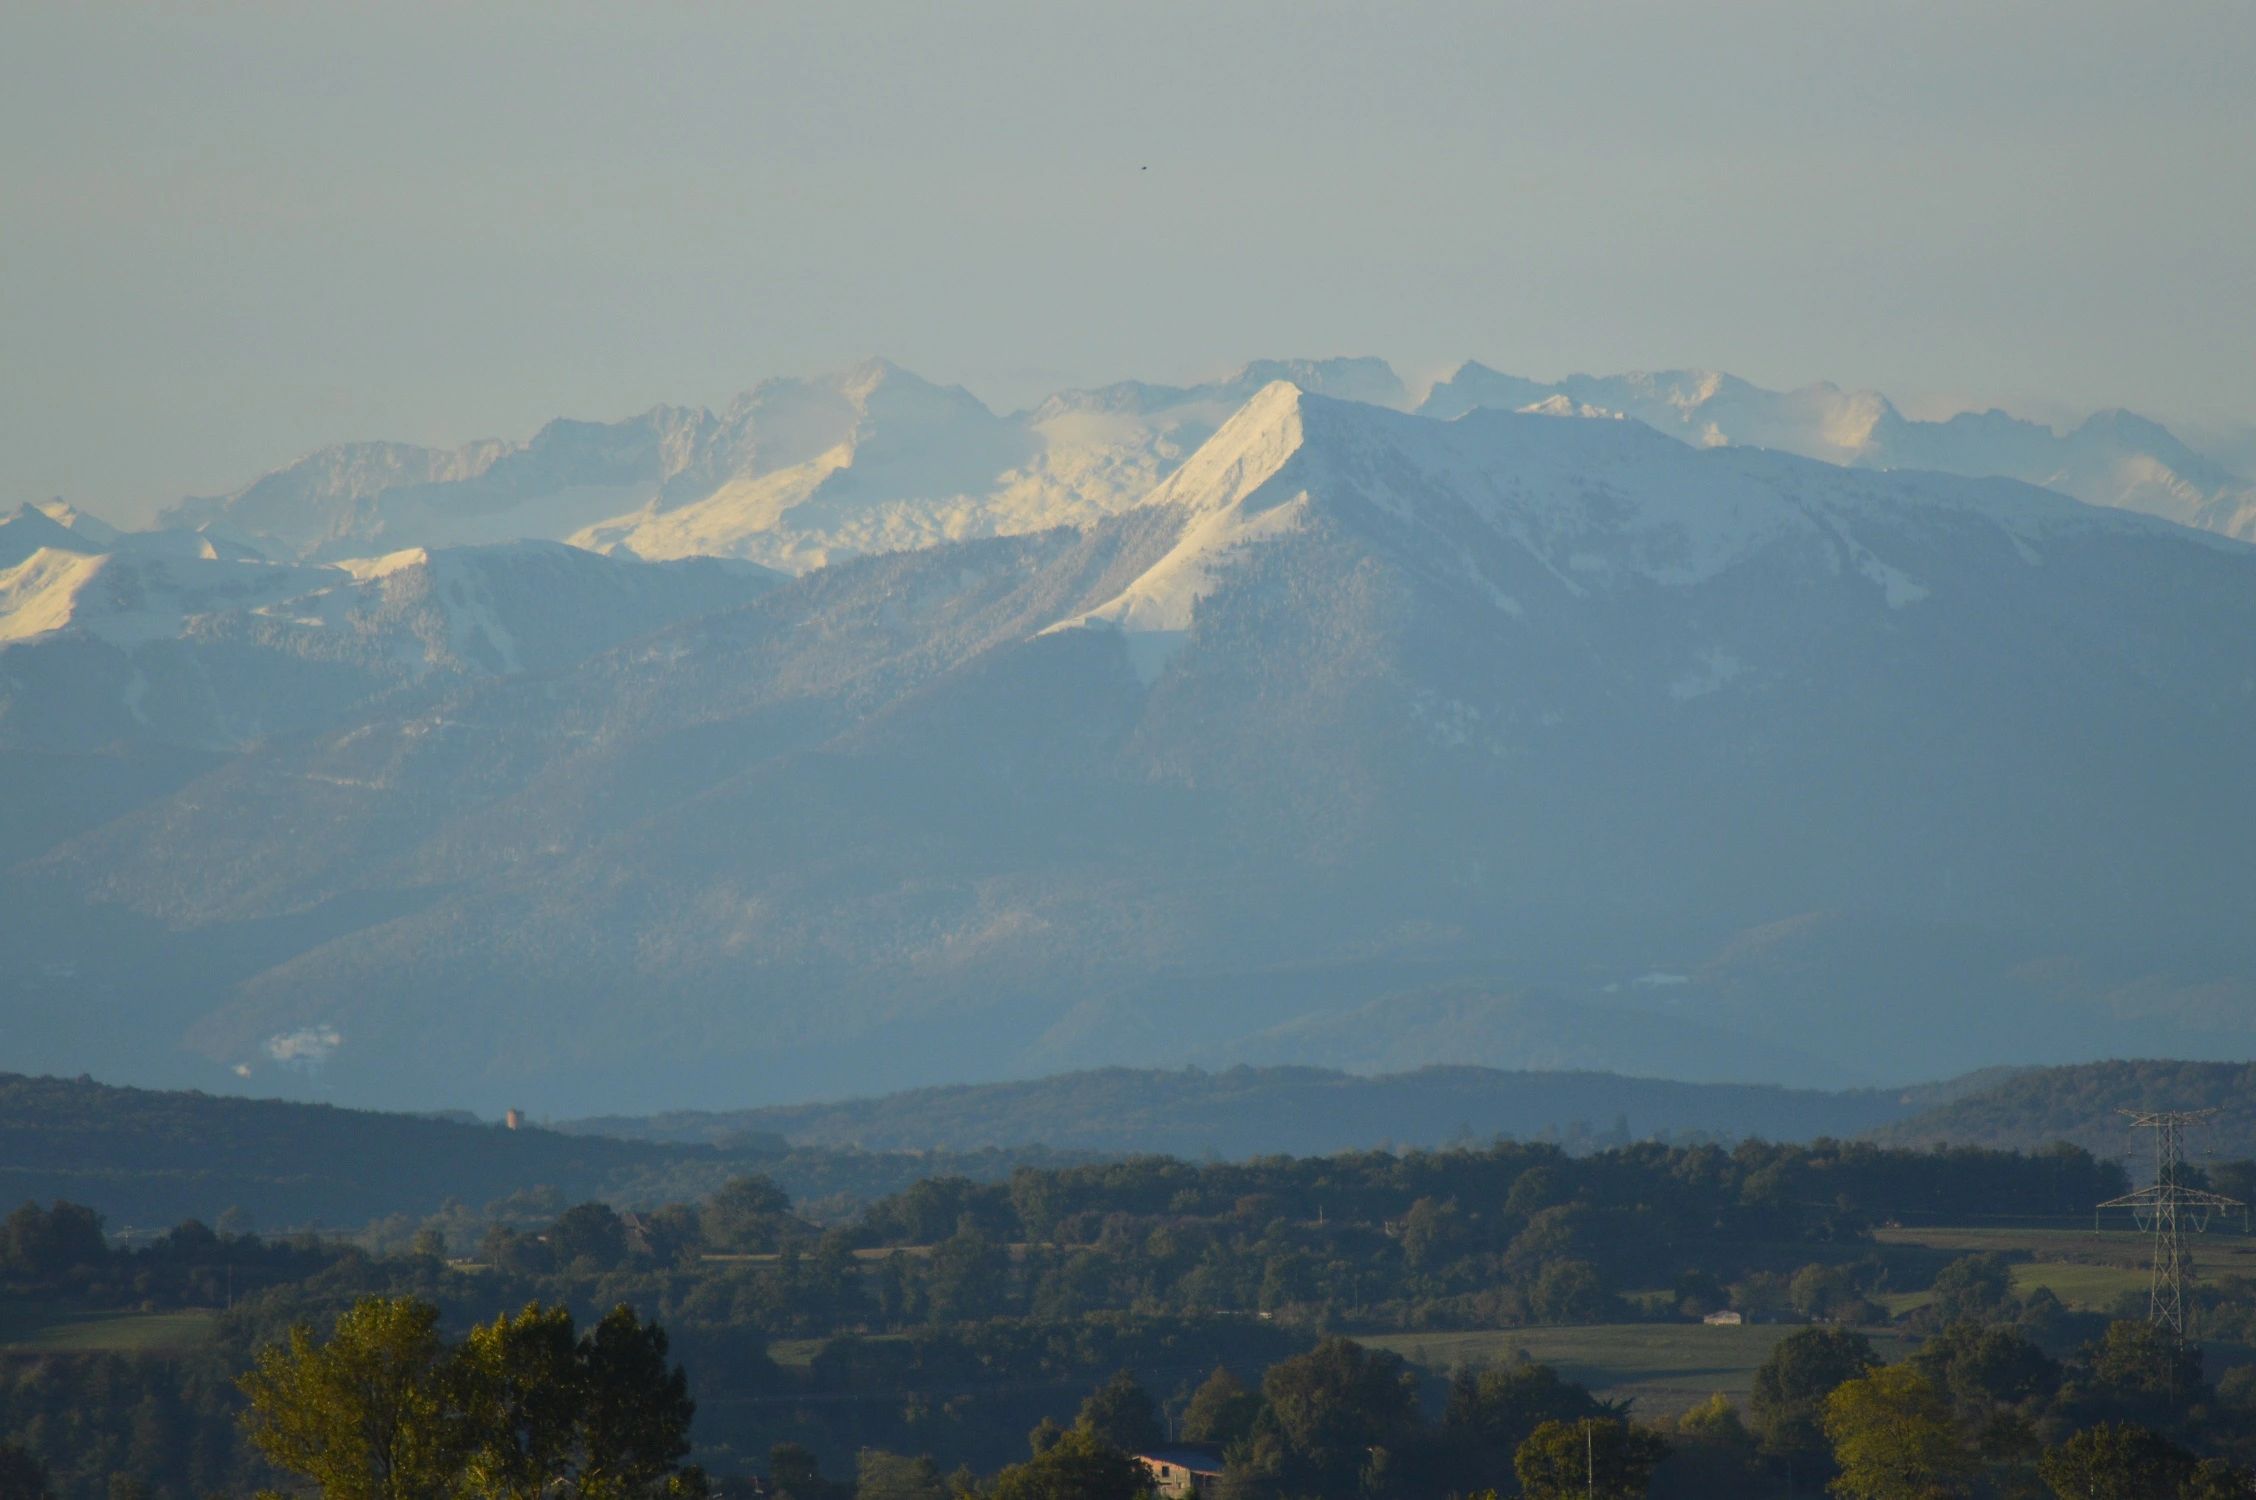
(2113, 458)
(164, 637)
(797, 473)
(1596, 504)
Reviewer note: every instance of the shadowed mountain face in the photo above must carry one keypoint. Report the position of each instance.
(1513, 739)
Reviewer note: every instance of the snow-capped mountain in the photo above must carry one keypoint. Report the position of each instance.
(1880, 772)
(168, 637)
(2113, 458)
(795, 473)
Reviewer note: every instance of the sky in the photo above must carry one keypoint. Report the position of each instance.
(230, 235)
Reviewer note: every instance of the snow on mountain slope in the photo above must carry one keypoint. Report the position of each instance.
(1595, 505)
(795, 473)
(30, 528)
(901, 464)
(213, 652)
(315, 501)
(128, 599)
(876, 460)
(2113, 458)
(520, 606)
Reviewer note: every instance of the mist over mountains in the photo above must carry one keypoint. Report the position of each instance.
(1670, 727)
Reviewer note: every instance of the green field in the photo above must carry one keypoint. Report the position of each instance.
(1664, 1367)
(49, 1331)
(2089, 1270)
(2223, 1251)
(2084, 1288)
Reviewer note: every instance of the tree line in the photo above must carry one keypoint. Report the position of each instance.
(950, 1317)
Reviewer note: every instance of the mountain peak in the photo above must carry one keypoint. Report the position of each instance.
(1245, 452)
(863, 378)
(30, 528)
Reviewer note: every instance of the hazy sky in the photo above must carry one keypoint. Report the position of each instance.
(231, 235)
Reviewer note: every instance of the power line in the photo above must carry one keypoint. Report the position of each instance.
(2165, 1208)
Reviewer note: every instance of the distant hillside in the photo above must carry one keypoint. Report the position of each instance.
(147, 1158)
(1300, 1111)
(2081, 1104)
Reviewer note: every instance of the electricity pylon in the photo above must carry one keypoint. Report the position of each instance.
(2165, 1208)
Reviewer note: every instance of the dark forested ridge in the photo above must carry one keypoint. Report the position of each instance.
(153, 1157)
(1247, 1111)
(148, 1157)
(2084, 1103)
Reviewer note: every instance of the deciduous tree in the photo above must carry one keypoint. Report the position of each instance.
(370, 1413)
(1078, 1466)
(1893, 1438)
(1221, 1410)
(1792, 1384)
(2116, 1461)
(1120, 1412)
(1602, 1457)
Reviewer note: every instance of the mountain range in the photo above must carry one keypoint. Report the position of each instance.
(1333, 734)
(796, 473)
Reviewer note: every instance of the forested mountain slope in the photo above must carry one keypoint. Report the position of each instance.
(2086, 1104)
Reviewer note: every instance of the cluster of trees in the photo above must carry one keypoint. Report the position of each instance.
(385, 1408)
(1336, 1420)
(1982, 1409)
(61, 1253)
(1503, 1235)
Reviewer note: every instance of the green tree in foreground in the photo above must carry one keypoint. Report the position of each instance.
(367, 1414)
(1337, 1403)
(1120, 1413)
(635, 1426)
(1602, 1457)
(1893, 1438)
(525, 1394)
(525, 1407)
(1221, 1411)
(2217, 1479)
(2116, 1461)
(1792, 1384)
(1078, 1466)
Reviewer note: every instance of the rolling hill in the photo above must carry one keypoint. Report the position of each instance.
(2085, 1105)
(1246, 1111)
